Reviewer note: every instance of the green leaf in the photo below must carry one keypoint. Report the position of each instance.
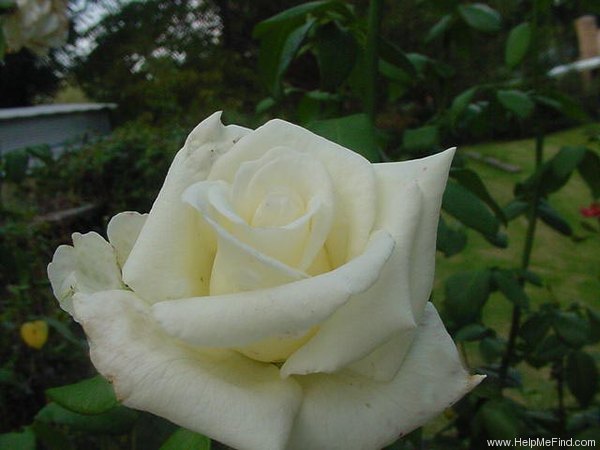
(118, 420)
(471, 332)
(554, 173)
(421, 139)
(491, 348)
(52, 438)
(7, 4)
(466, 293)
(581, 375)
(517, 102)
(567, 160)
(531, 277)
(515, 208)
(564, 105)
(535, 328)
(470, 180)
(336, 52)
(419, 62)
(571, 328)
(589, 168)
(92, 396)
(466, 207)
(354, 132)
(151, 431)
(322, 96)
(394, 73)
(481, 17)
(185, 439)
(25, 440)
(308, 110)
(449, 240)
(265, 104)
(499, 239)
(550, 349)
(509, 285)
(594, 320)
(460, 103)
(440, 28)
(393, 55)
(15, 165)
(297, 15)
(500, 419)
(277, 50)
(517, 44)
(553, 219)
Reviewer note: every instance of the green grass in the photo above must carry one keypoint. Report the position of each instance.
(570, 269)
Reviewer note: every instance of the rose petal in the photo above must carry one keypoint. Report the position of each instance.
(173, 255)
(90, 265)
(352, 176)
(240, 319)
(247, 258)
(282, 173)
(347, 411)
(238, 265)
(383, 363)
(431, 174)
(222, 394)
(369, 320)
(123, 230)
(409, 196)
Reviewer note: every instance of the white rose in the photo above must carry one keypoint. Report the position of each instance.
(276, 295)
(37, 24)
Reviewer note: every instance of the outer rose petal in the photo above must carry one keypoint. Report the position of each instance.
(89, 266)
(431, 174)
(123, 230)
(409, 195)
(230, 398)
(172, 257)
(349, 412)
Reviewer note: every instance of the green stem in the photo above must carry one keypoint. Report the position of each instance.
(372, 58)
(527, 249)
(560, 387)
(515, 324)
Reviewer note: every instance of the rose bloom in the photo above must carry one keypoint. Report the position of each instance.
(276, 295)
(37, 25)
(591, 211)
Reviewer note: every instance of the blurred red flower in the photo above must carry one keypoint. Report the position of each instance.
(591, 211)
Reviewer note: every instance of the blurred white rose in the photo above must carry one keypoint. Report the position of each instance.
(37, 25)
(276, 295)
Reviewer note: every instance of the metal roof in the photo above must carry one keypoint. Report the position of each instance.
(46, 110)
